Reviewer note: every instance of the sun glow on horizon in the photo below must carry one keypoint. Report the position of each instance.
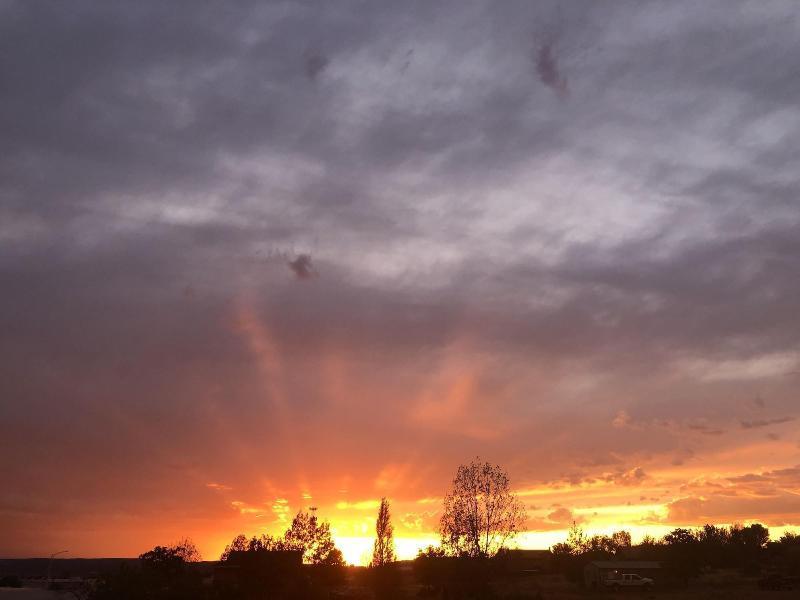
(358, 550)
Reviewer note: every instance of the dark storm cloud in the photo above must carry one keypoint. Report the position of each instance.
(632, 246)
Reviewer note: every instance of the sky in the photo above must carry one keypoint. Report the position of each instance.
(262, 256)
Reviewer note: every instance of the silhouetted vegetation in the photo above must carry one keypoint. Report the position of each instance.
(306, 533)
(383, 575)
(383, 550)
(480, 513)
(683, 552)
(784, 554)
(307, 536)
(162, 574)
(313, 537)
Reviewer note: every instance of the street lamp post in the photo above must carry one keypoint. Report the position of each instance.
(50, 566)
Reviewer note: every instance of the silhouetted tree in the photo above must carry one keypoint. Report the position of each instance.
(242, 544)
(714, 545)
(313, 537)
(621, 541)
(171, 558)
(747, 545)
(577, 543)
(239, 544)
(790, 538)
(187, 550)
(571, 556)
(383, 550)
(162, 575)
(649, 548)
(431, 551)
(383, 576)
(480, 512)
(786, 553)
(306, 534)
(680, 537)
(681, 551)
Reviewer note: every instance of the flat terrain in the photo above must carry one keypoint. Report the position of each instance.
(555, 588)
(546, 587)
(31, 594)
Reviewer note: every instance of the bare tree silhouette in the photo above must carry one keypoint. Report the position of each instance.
(480, 512)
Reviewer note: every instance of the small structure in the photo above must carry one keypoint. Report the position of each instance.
(278, 572)
(598, 573)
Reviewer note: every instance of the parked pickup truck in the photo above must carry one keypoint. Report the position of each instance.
(629, 581)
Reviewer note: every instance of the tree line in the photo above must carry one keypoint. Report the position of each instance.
(306, 534)
(480, 517)
(684, 552)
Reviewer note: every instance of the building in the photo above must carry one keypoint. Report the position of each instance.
(278, 572)
(598, 572)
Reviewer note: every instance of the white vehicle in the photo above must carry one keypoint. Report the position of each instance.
(629, 580)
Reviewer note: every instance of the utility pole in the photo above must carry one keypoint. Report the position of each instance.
(50, 566)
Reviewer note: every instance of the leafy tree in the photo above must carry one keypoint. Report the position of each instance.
(306, 534)
(480, 512)
(162, 575)
(714, 543)
(577, 543)
(570, 556)
(187, 550)
(621, 541)
(786, 552)
(242, 544)
(239, 544)
(747, 543)
(752, 537)
(790, 538)
(431, 551)
(170, 558)
(680, 537)
(649, 548)
(648, 541)
(681, 552)
(313, 537)
(383, 550)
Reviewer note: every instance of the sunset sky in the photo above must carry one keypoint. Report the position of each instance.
(262, 256)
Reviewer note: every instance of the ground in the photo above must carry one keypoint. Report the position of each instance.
(716, 586)
(551, 587)
(31, 594)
